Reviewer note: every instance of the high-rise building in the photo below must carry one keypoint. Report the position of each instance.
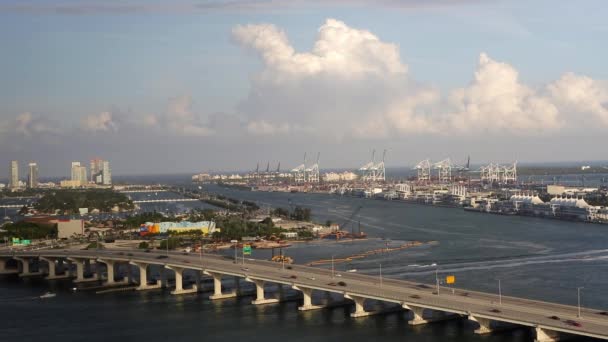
(14, 175)
(101, 172)
(32, 180)
(79, 174)
(96, 166)
(106, 173)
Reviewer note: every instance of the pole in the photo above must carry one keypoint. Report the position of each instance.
(380, 275)
(437, 278)
(332, 266)
(579, 300)
(167, 244)
(499, 293)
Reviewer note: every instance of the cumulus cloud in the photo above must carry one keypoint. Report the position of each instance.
(351, 83)
(581, 94)
(102, 122)
(179, 119)
(497, 102)
(27, 124)
(339, 50)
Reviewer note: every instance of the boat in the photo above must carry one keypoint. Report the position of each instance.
(48, 295)
(352, 271)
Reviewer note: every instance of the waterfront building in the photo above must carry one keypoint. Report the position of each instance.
(32, 180)
(79, 174)
(101, 172)
(14, 175)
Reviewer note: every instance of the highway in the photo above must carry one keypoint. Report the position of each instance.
(411, 294)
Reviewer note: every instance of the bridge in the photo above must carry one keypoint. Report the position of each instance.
(549, 321)
(168, 200)
(143, 190)
(15, 205)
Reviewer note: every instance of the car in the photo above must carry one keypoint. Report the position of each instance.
(573, 323)
(147, 251)
(186, 261)
(311, 278)
(554, 318)
(338, 275)
(415, 296)
(465, 294)
(289, 267)
(293, 276)
(162, 256)
(341, 283)
(495, 310)
(423, 286)
(245, 269)
(129, 254)
(332, 284)
(603, 313)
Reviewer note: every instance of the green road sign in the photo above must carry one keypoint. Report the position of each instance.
(246, 249)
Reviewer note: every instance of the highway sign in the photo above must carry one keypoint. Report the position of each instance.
(450, 279)
(246, 249)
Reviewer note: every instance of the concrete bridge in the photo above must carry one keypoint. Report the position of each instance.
(168, 200)
(142, 191)
(549, 321)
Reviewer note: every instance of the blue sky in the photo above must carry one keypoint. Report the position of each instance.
(173, 75)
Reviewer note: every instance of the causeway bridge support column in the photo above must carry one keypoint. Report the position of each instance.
(53, 269)
(3, 269)
(484, 324)
(436, 316)
(80, 267)
(359, 306)
(260, 299)
(217, 287)
(25, 268)
(545, 335)
(179, 285)
(307, 294)
(143, 277)
(110, 271)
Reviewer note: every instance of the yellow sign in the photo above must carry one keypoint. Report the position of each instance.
(450, 279)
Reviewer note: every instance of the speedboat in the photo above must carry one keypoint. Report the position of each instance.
(48, 295)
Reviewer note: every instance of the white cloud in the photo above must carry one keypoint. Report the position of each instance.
(350, 84)
(339, 50)
(265, 128)
(581, 94)
(101, 122)
(27, 124)
(180, 119)
(497, 102)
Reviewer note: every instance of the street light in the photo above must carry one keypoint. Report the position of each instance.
(437, 277)
(499, 293)
(578, 289)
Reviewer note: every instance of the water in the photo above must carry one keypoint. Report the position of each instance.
(534, 258)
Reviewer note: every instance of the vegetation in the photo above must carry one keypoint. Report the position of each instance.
(173, 243)
(233, 227)
(70, 201)
(298, 213)
(27, 230)
(143, 245)
(95, 245)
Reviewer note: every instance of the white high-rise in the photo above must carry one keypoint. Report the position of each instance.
(79, 173)
(32, 180)
(106, 173)
(14, 175)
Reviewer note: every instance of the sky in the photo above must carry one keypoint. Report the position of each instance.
(207, 85)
